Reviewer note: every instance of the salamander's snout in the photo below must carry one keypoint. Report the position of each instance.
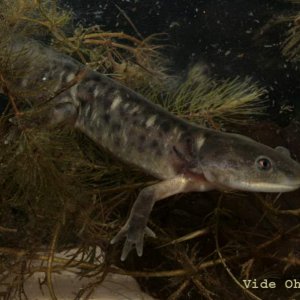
(292, 171)
(247, 165)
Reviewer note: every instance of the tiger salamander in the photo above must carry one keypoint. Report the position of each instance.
(183, 156)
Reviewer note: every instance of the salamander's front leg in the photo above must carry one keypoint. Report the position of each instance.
(135, 228)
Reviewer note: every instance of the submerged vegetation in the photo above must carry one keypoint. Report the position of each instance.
(202, 99)
(59, 191)
(290, 45)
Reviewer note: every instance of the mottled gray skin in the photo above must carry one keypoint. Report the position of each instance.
(184, 156)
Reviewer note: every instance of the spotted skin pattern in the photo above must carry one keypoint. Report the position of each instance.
(184, 156)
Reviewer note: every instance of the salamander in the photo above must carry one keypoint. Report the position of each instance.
(184, 157)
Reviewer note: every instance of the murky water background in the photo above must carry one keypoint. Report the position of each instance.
(222, 34)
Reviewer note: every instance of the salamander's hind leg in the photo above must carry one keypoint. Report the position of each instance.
(54, 114)
(135, 228)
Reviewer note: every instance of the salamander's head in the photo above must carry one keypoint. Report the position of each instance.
(232, 161)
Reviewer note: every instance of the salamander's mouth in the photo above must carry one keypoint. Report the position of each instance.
(228, 183)
(266, 187)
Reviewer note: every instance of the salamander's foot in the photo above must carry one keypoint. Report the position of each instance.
(134, 233)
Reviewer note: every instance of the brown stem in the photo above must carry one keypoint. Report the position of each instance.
(51, 259)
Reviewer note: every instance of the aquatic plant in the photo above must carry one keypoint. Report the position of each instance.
(125, 57)
(290, 46)
(32, 16)
(202, 99)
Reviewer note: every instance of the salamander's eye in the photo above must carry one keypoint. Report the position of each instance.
(263, 164)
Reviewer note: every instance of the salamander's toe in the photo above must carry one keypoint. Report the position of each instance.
(126, 249)
(150, 232)
(120, 235)
(134, 236)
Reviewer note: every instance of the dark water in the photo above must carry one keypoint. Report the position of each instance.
(220, 33)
